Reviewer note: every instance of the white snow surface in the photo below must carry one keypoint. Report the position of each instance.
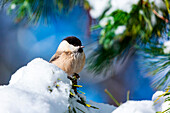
(125, 5)
(120, 29)
(136, 107)
(29, 91)
(160, 104)
(13, 6)
(32, 89)
(98, 7)
(106, 20)
(145, 106)
(167, 47)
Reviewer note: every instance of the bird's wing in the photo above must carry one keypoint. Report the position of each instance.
(55, 56)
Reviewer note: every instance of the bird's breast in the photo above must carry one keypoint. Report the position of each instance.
(70, 62)
(78, 62)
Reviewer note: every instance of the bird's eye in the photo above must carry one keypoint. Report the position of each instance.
(80, 50)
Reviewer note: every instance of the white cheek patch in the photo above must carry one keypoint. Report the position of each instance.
(65, 46)
(73, 48)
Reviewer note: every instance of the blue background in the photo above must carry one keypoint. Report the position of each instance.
(20, 43)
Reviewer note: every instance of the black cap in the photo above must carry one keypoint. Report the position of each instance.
(73, 40)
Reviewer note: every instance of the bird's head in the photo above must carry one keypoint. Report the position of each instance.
(72, 44)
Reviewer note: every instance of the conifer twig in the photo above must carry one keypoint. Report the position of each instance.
(159, 16)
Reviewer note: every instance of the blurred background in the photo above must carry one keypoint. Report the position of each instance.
(20, 43)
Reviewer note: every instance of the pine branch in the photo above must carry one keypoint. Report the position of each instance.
(139, 27)
(75, 97)
(36, 10)
(156, 62)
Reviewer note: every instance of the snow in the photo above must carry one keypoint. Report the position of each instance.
(160, 104)
(145, 106)
(98, 7)
(136, 107)
(42, 87)
(106, 20)
(167, 47)
(120, 29)
(28, 90)
(165, 106)
(13, 6)
(125, 5)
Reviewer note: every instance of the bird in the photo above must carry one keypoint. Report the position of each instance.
(69, 56)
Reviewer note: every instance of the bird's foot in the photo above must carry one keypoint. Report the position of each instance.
(74, 77)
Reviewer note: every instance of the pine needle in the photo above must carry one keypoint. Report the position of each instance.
(161, 95)
(78, 86)
(128, 93)
(72, 94)
(81, 92)
(110, 95)
(88, 105)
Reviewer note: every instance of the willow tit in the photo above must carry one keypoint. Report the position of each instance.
(69, 56)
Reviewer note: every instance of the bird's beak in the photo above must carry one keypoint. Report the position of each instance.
(81, 46)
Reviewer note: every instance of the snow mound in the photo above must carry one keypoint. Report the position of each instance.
(42, 87)
(157, 104)
(32, 89)
(136, 107)
(160, 104)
